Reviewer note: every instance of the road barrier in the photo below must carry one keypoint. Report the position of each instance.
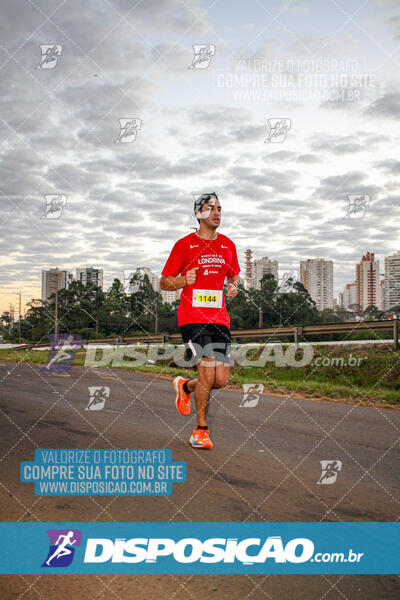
(264, 335)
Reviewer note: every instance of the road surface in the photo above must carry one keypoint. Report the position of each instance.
(265, 466)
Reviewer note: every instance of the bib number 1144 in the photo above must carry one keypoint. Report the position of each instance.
(207, 298)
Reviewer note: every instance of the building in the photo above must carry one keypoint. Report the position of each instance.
(340, 300)
(170, 295)
(383, 295)
(70, 278)
(368, 289)
(349, 295)
(90, 274)
(262, 267)
(52, 281)
(154, 279)
(316, 274)
(392, 281)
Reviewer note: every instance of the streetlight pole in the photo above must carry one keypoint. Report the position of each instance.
(260, 314)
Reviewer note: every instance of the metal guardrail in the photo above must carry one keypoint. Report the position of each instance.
(268, 332)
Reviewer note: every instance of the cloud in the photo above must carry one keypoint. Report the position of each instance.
(389, 166)
(387, 105)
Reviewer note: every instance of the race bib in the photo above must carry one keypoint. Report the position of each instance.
(207, 298)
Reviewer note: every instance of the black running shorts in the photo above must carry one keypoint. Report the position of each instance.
(206, 340)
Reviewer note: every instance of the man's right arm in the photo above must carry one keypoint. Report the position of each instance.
(172, 283)
(175, 283)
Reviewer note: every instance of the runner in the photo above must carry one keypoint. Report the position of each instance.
(199, 263)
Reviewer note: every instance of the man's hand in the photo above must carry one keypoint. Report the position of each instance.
(232, 290)
(191, 276)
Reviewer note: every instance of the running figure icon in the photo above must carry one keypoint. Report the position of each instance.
(62, 549)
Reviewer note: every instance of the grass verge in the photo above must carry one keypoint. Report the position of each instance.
(362, 375)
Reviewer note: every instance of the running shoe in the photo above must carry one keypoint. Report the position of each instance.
(182, 401)
(200, 438)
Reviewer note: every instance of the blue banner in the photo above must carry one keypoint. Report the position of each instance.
(196, 548)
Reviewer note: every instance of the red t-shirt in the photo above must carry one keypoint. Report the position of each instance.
(216, 260)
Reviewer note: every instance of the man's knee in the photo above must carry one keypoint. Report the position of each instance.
(206, 372)
(220, 383)
(221, 379)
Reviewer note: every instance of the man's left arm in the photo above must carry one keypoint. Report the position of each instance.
(233, 281)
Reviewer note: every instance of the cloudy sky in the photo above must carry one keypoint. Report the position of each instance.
(330, 69)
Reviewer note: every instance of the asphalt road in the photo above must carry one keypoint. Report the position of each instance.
(265, 466)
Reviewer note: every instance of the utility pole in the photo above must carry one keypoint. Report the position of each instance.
(156, 319)
(19, 320)
(56, 314)
(11, 323)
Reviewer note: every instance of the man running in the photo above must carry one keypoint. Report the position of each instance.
(199, 263)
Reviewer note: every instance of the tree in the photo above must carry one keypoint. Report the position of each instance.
(372, 313)
(342, 313)
(6, 319)
(116, 308)
(145, 303)
(328, 315)
(394, 309)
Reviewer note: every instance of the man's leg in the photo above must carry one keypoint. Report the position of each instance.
(203, 386)
(221, 374)
(219, 379)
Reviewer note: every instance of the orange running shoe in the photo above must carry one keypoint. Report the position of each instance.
(200, 438)
(182, 401)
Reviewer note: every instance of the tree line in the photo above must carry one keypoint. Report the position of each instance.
(93, 313)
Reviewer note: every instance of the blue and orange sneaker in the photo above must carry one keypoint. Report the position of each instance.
(182, 400)
(200, 438)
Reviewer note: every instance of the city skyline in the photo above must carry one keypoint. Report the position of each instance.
(260, 266)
